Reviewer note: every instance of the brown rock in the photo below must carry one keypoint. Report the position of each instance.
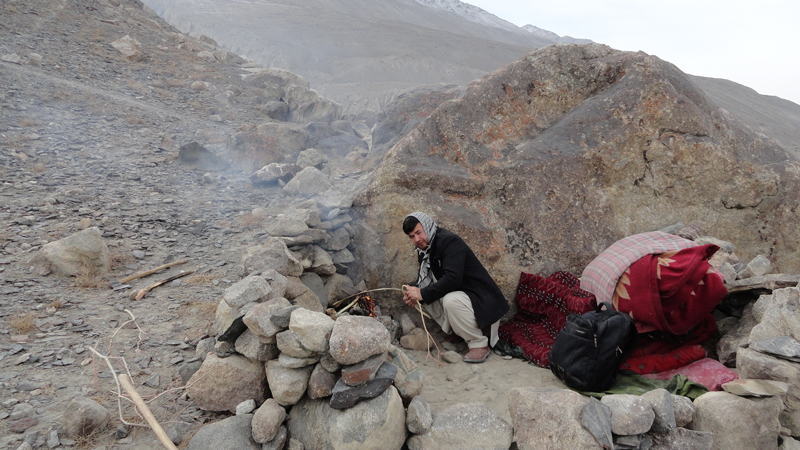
(364, 371)
(223, 383)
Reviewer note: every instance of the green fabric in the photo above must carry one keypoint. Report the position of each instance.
(633, 383)
(628, 382)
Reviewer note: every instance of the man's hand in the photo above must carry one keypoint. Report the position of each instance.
(411, 295)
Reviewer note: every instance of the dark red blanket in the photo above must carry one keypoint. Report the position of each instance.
(543, 306)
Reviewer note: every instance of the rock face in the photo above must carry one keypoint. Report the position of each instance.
(546, 162)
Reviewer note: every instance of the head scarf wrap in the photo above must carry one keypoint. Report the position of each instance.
(426, 276)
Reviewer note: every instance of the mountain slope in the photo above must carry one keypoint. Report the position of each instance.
(356, 52)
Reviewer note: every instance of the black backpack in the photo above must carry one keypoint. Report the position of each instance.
(588, 351)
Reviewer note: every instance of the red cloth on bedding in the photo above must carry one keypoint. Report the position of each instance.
(708, 372)
(543, 306)
(658, 352)
(672, 291)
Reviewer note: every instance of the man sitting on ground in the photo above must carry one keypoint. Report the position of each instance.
(453, 286)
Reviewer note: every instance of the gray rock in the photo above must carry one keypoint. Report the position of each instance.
(681, 438)
(315, 283)
(418, 416)
(278, 442)
(684, 410)
(83, 253)
(289, 345)
(661, 402)
(307, 182)
(780, 346)
(259, 318)
(252, 289)
(340, 286)
(451, 357)
(736, 337)
(291, 362)
(630, 414)
(759, 366)
(311, 158)
(195, 155)
(328, 363)
(635, 442)
(321, 382)
(549, 418)
(464, 427)
(283, 225)
(83, 416)
(21, 410)
(407, 324)
(254, 348)
(339, 240)
(267, 421)
(281, 318)
(273, 254)
(273, 173)
(246, 407)
(204, 346)
(343, 256)
(313, 329)
(757, 267)
(409, 380)
(344, 396)
(356, 338)
(789, 443)
(277, 282)
(756, 388)
(775, 315)
(233, 432)
(596, 417)
(738, 422)
(52, 439)
(287, 385)
(375, 424)
(223, 383)
(310, 301)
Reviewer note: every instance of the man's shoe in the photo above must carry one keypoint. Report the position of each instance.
(477, 355)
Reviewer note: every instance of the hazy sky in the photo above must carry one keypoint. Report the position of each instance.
(754, 43)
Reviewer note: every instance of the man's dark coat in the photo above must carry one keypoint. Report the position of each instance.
(458, 269)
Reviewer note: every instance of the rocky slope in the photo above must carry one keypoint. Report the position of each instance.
(89, 137)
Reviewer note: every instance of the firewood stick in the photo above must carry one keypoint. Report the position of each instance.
(152, 271)
(143, 292)
(126, 384)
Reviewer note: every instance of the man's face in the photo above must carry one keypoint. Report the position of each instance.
(418, 237)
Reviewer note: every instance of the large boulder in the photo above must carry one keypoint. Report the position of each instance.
(223, 383)
(464, 427)
(549, 418)
(83, 253)
(738, 423)
(233, 432)
(375, 424)
(759, 366)
(84, 417)
(546, 162)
